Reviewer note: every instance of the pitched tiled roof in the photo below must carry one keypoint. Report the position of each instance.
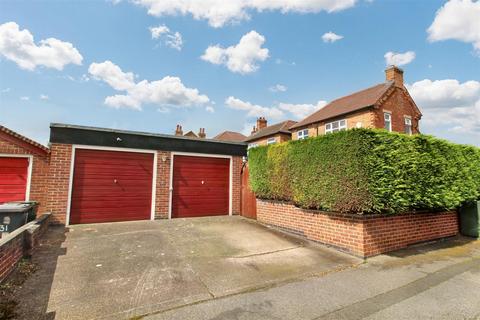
(281, 127)
(23, 138)
(230, 136)
(353, 102)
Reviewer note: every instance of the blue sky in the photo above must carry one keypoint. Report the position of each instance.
(220, 69)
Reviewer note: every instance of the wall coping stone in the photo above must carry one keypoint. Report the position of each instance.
(358, 216)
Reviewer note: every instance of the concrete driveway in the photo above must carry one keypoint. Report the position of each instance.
(124, 270)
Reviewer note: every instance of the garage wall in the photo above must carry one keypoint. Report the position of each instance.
(237, 184)
(57, 195)
(60, 164)
(163, 184)
(39, 179)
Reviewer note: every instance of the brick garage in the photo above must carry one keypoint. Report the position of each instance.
(66, 138)
(361, 235)
(14, 145)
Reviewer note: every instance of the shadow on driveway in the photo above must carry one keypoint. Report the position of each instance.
(32, 297)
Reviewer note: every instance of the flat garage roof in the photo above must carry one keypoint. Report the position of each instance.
(74, 134)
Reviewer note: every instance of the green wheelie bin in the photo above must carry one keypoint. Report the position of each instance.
(470, 219)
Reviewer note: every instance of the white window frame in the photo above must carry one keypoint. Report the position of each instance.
(389, 114)
(408, 124)
(252, 145)
(271, 140)
(340, 127)
(302, 134)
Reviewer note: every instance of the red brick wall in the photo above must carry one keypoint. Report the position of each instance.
(10, 253)
(383, 234)
(39, 178)
(364, 236)
(400, 106)
(236, 184)
(22, 242)
(163, 184)
(57, 195)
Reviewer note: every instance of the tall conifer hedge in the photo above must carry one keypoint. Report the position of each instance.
(367, 171)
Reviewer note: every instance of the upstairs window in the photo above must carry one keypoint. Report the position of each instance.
(252, 145)
(302, 134)
(336, 126)
(387, 117)
(271, 140)
(408, 125)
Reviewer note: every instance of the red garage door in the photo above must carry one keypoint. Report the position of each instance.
(200, 186)
(111, 186)
(13, 179)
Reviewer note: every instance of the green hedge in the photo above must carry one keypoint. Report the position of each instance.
(367, 171)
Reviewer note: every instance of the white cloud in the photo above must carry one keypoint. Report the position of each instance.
(112, 75)
(449, 104)
(300, 111)
(253, 110)
(278, 88)
(6, 90)
(296, 111)
(19, 46)
(44, 97)
(331, 37)
(241, 58)
(166, 92)
(221, 12)
(210, 109)
(24, 98)
(172, 39)
(457, 20)
(157, 32)
(399, 59)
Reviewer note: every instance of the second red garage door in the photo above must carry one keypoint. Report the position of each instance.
(111, 186)
(201, 186)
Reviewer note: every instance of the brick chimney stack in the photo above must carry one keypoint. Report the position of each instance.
(261, 123)
(178, 130)
(202, 134)
(395, 74)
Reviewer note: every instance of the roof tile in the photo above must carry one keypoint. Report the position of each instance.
(353, 102)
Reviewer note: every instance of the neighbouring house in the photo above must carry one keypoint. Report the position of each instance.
(201, 133)
(230, 136)
(24, 168)
(106, 175)
(262, 134)
(386, 105)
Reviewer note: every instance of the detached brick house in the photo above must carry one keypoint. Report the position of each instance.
(230, 136)
(386, 105)
(263, 134)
